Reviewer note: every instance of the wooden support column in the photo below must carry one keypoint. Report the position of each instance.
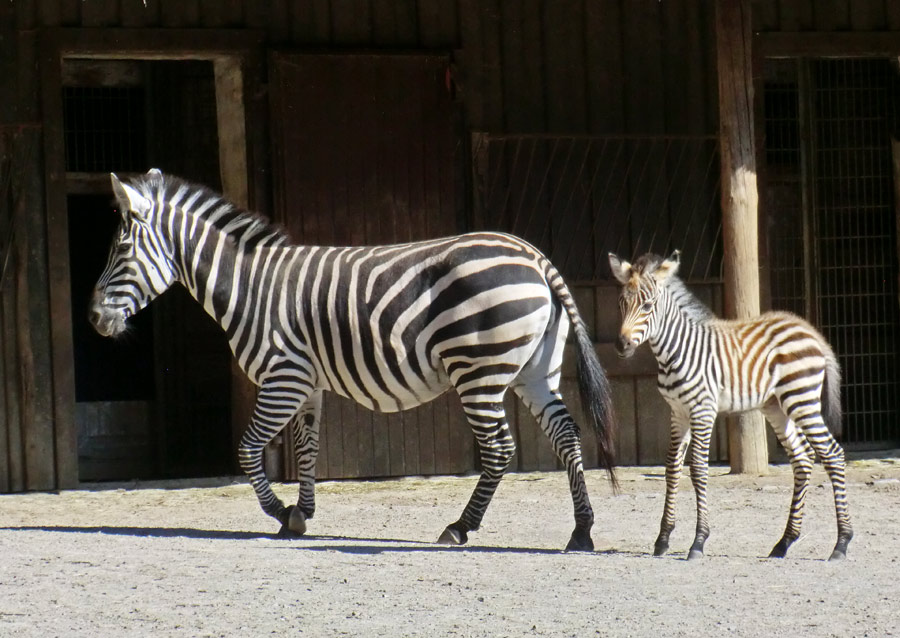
(747, 450)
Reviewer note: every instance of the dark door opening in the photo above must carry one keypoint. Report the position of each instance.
(155, 403)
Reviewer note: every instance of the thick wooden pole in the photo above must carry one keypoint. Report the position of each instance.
(746, 433)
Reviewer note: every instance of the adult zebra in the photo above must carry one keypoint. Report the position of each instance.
(390, 327)
(776, 362)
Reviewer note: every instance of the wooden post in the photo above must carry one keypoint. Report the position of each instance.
(747, 450)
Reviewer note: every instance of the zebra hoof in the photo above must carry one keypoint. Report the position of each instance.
(294, 523)
(837, 555)
(779, 551)
(660, 549)
(453, 536)
(694, 554)
(580, 542)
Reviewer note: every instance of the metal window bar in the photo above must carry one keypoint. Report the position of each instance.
(104, 128)
(579, 197)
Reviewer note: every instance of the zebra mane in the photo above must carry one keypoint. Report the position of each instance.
(695, 309)
(255, 231)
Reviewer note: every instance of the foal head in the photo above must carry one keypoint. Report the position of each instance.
(642, 286)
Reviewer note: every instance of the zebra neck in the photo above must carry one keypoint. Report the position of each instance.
(677, 330)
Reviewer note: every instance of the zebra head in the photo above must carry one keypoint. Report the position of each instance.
(642, 287)
(138, 268)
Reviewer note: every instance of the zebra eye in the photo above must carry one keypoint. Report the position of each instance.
(647, 307)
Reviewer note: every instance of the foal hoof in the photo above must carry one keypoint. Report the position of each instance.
(837, 555)
(580, 542)
(453, 536)
(294, 523)
(694, 554)
(660, 549)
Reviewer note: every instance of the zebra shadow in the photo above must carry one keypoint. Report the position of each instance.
(310, 543)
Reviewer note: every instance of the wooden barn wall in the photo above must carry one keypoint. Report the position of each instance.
(521, 66)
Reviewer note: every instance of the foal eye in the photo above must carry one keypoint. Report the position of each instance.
(647, 307)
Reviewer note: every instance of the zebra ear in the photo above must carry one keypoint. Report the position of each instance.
(155, 172)
(669, 267)
(621, 270)
(129, 198)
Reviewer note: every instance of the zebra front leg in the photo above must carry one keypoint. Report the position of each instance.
(275, 406)
(800, 455)
(678, 442)
(701, 432)
(831, 454)
(306, 450)
(551, 412)
(496, 448)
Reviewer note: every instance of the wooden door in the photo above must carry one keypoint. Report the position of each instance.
(367, 150)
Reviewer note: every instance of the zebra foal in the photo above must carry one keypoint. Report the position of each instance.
(391, 327)
(776, 362)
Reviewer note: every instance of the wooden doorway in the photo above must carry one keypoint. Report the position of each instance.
(156, 403)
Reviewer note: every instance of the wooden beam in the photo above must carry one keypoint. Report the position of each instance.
(746, 434)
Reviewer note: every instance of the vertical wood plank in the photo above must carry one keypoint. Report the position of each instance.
(624, 402)
(604, 66)
(394, 23)
(438, 24)
(831, 15)
(868, 15)
(653, 422)
(523, 82)
(564, 53)
(217, 13)
(99, 14)
(179, 13)
(135, 13)
(351, 22)
(793, 15)
(58, 283)
(310, 21)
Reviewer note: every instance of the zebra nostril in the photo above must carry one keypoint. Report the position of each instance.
(94, 316)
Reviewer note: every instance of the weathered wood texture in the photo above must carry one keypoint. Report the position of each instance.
(601, 67)
(747, 435)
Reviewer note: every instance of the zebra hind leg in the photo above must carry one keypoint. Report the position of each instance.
(831, 454)
(701, 431)
(496, 448)
(800, 454)
(547, 406)
(274, 408)
(306, 449)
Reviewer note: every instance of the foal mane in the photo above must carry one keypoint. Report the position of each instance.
(244, 227)
(647, 264)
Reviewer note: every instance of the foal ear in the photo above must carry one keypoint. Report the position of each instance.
(621, 270)
(129, 198)
(669, 267)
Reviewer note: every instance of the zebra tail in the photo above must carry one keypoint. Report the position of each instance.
(593, 384)
(831, 395)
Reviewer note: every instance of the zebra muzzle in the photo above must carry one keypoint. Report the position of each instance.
(107, 321)
(624, 346)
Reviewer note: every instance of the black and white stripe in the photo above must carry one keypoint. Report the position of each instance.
(776, 362)
(391, 327)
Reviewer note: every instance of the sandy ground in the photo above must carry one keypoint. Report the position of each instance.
(177, 559)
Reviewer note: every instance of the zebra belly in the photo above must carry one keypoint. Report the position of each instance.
(400, 398)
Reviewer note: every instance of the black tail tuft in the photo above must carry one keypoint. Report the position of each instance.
(596, 398)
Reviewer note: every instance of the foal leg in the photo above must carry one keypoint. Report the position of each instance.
(801, 455)
(678, 443)
(275, 406)
(306, 449)
(496, 448)
(702, 420)
(831, 454)
(547, 406)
